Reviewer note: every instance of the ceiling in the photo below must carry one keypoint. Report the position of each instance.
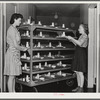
(68, 10)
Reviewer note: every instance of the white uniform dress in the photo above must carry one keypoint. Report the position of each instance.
(12, 56)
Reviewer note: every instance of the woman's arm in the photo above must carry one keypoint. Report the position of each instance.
(21, 48)
(74, 43)
(73, 40)
(77, 42)
(69, 39)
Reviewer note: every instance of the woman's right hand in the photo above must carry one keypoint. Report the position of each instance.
(24, 48)
(69, 37)
(64, 36)
(27, 49)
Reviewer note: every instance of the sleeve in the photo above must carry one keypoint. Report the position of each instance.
(12, 35)
(13, 40)
(82, 39)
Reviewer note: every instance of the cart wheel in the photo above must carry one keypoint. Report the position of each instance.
(70, 82)
(18, 87)
(34, 89)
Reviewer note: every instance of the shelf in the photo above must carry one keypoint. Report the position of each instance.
(32, 83)
(25, 37)
(46, 38)
(54, 49)
(44, 27)
(24, 27)
(46, 70)
(43, 60)
(51, 28)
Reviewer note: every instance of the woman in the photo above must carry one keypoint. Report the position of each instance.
(12, 57)
(80, 59)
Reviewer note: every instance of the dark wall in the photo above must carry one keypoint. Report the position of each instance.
(70, 22)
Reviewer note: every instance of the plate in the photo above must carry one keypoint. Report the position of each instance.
(44, 26)
(42, 78)
(64, 65)
(64, 74)
(53, 66)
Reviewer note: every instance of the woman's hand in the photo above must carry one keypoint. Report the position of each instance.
(27, 49)
(24, 48)
(64, 36)
(69, 38)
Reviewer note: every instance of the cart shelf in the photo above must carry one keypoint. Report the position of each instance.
(44, 60)
(60, 50)
(39, 82)
(45, 70)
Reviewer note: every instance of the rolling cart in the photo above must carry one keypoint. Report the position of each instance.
(47, 67)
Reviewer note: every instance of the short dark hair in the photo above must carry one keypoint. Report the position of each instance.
(15, 16)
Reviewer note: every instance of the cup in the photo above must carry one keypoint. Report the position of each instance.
(39, 23)
(28, 21)
(63, 25)
(52, 23)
